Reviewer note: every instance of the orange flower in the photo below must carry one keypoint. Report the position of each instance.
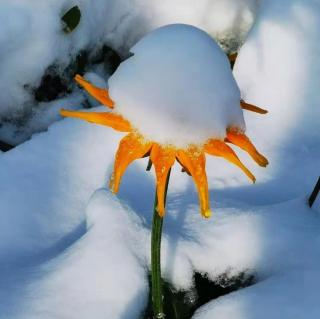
(192, 158)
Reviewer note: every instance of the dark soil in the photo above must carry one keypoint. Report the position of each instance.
(183, 304)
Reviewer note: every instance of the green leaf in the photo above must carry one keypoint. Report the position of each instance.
(71, 19)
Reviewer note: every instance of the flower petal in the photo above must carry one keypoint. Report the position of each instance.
(232, 57)
(162, 158)
(241, 140)
(194, 161)
(252, 108)
(219, 148)
(113, 120)
(131, 147)
(101, 95)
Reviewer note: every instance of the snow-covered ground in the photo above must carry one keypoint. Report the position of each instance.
(70, 249)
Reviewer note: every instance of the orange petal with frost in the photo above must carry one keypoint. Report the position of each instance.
(241, 140)
(113, 120)
(131, 147)
(252, 108)
(221, 149)
(194, 161)
(162, 158)
(101, 95)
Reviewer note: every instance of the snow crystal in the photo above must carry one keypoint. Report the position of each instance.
(177, 88)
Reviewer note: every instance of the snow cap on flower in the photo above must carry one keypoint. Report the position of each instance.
(178, 87)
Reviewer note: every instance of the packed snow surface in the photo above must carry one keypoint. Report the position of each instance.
(177, 88)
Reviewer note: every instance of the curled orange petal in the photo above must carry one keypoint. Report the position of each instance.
(241, 140)
(193, 159)
(232, 57)
(131, 147)
(113, 120)
(219, 148)
(162, 158)
(252, 108)
(101, 95)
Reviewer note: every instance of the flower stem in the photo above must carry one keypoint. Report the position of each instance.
(156, 281)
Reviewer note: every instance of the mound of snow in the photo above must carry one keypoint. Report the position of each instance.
(177, 88)
(99, 276)
(47, 204)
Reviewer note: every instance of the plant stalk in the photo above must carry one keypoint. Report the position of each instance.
(156, 281)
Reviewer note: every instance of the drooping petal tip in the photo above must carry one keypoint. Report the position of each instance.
(131, 148)
(219, 148)
(241, 140)
(193, 159)
(207, 213)
(101, 95)
(252, 108)
(63, 112)
(163, 159)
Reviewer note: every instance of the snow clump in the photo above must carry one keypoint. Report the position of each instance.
(178, 87)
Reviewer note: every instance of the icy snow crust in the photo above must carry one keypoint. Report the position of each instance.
(177, 88)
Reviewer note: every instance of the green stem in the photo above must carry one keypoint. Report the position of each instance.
(156, 282)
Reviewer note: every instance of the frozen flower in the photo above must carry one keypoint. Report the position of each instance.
(177, 99)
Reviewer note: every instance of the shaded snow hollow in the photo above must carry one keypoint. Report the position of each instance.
(177, 88)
